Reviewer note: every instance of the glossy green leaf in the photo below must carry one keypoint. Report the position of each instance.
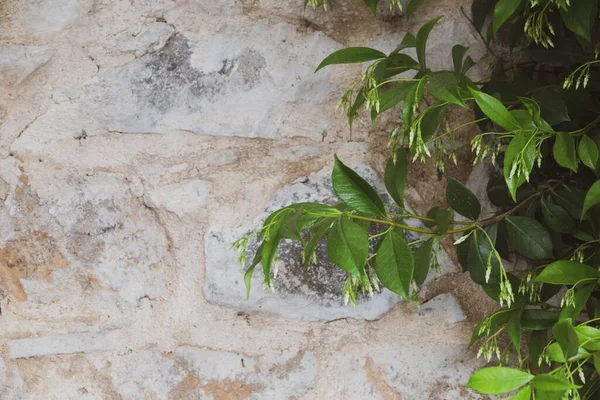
(537, 342)
(582, 294)
(564, 151)
(566, 338)
(316, 235)
(443, 86)
(348, 246)
(431, 121)
(552, 105)
(495, 110)
(479, 258)
(462, 200)
(503, 11)
(556, 354)
(394, 264)
(422, 262)
(557, 218)
(551, 383)
(498, 380)
(588, 152)
(354, 191)
(250, 270)
(589, 337)
(372, 4)
(395, 176)
(399, 63)
(529, 238)
(523, 394)
(567, 272)
(421, 41)
(412, 6)
(520, 143)
(458, 55)
(408, 41)
(580, 16)
(592, 197)
(351, 55)
(571, 199)
(394, 96)
(537, 320)
(443, 218)
(513, 327)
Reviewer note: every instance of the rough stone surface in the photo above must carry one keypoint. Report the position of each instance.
(138, 139)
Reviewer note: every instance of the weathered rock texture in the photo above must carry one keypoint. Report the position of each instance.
(137, 140)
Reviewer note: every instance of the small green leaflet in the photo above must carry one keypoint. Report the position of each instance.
(580, 16)
(513, 327)
(421, 41)
(422, 262)
(566, 337)
(551, 383)
(498, 380)
(458, 54)
(443, 86)
(529, 237)
(354, 191)
(372, 4)
(462, 200)
(567, 272)
(395, 176)
(394, 96)
(495, 110)
(588, 152)
(394, 264)
(503, 11)
(589, 337)
(524, 394)
(348, 246)
(431, 121)
(564, 151)
(592, 197)
(351, 55)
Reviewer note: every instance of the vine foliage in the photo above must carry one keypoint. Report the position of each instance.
(537, 112)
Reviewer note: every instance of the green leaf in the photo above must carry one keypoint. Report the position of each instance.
(556, 354)
(580, 16)
(408, 41)
(588, 152)
(513, 327)
(443, 86)
(480, 254)
(537, 342)
(582, 294)
(372, 4)
(592, 197)
(503, 11)
(524, 394)
(597, 362)
(310, 247)
(351, 55)
(395, 176)
(529, 238)
(462, 200)
(564, 151)
(395, 95)
(571, 199)
(458, 55)
(412, 7)
(567, 272)
(551, 383)
(394, 264)
(421, 41)
(431, 121)
(557, 218)
(589, 337)
(398, 63)
(552, 105)
(498, 380)
(538, 320)
(566, 337)
(250, 270)
(495, 110)
(480, 10)
(497, 192)
(443, 218)
(422, 261)
(354, 191)
(348, 246)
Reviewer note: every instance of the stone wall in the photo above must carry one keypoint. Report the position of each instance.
(138, 139)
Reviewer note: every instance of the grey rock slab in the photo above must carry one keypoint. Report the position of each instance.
(59, 344)
(313, 294)
(45, 16)
(18, 62)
